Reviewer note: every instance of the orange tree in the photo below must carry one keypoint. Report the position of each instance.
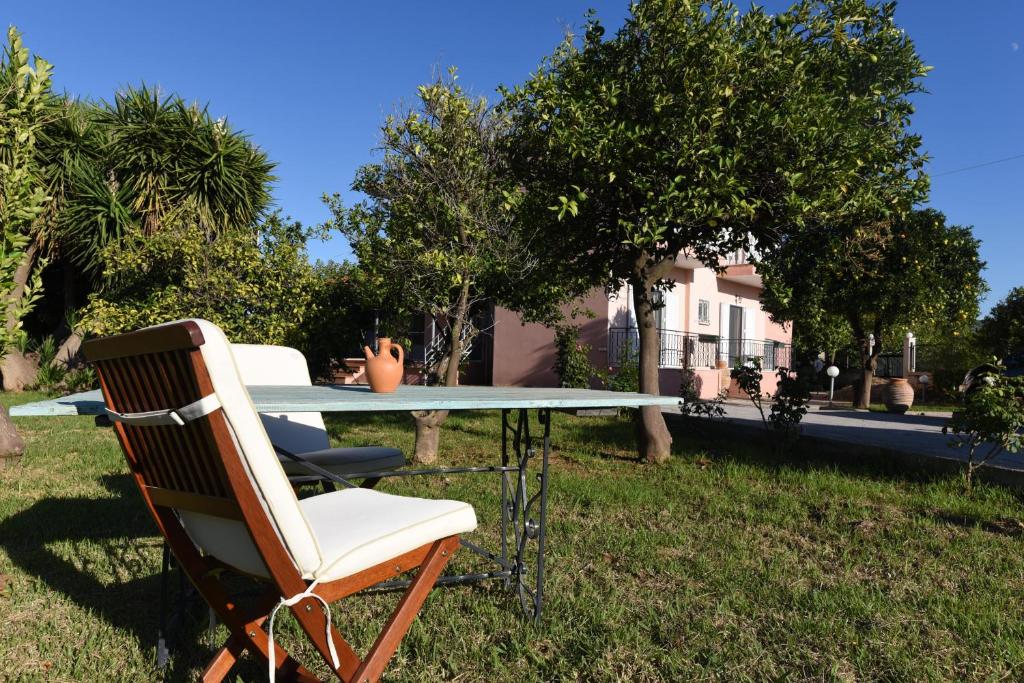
(697, 130)
(876, 277)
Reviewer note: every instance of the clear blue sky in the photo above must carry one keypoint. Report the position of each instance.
(312, 81)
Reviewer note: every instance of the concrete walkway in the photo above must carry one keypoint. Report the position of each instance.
(912, 433)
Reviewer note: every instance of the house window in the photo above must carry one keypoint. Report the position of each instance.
(704, 312)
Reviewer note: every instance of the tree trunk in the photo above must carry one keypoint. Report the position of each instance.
(428, 422)
(67, 354)
(19, 370)
(428, 434)
(868, 364)
(11, 445)
(653, 439)
(21, 278)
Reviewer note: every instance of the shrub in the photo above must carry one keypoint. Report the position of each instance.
(255, 283)
(572, 359)
(989, 422)
(627, 377)
(51, 374)
(692, 404)
(788, 405)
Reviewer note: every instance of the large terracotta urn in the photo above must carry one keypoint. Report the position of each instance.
(898, 395)
(384, 371)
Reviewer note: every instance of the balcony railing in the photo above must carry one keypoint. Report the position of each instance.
(691, 350)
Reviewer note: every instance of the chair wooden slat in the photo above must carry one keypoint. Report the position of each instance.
(194, 502)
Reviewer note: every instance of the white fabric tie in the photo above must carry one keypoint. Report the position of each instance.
(154, 418)
(288, 602)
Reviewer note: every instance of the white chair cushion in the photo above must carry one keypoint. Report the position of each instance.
(342, 461)
(282, 365)
(262, 464)
(359, 528)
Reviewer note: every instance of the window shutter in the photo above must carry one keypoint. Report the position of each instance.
(723, 332)
(748, 334)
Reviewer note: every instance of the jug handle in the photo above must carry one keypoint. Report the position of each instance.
(401, 353)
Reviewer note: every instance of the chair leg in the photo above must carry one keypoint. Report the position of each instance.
(162, 651)
(244, 627)
(409, 606)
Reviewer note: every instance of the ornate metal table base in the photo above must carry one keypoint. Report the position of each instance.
(518, 506)
(520, 562)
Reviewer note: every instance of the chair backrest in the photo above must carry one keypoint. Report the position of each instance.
(218, 471)
(283, 366)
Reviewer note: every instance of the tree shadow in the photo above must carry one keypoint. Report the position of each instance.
(722, 440)
(118, 527)
(1002, 526)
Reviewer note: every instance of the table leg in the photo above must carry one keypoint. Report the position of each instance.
(518, 514)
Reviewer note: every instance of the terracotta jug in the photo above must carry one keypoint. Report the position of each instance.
(384, 371)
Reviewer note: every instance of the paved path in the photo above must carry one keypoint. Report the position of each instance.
(911, 433)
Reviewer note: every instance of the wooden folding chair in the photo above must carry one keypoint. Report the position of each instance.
(209, 476)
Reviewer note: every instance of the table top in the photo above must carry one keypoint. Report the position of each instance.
(339, 398)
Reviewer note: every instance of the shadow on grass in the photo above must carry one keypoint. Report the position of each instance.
(1003, 526)
(111, 526)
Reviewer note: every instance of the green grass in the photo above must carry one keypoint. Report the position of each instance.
(722, 565)
(917, 408)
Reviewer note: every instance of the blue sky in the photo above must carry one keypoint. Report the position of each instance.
(312, 81)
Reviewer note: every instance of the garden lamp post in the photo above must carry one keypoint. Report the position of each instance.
(832, 373)
(925, 380)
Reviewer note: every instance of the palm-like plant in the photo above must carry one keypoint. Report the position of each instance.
(132, 167)
(144, 159)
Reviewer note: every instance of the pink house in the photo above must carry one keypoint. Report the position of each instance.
(709, 323)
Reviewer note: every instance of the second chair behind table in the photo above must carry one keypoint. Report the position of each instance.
(305, 434)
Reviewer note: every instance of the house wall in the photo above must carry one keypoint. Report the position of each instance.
(717, 290)
(524, 354)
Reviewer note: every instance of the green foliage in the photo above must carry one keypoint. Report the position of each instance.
(1002, 330)
(947, 358)
(699, 128)
(51, 374)
(990, 421)
(747, 376)
(626, 377)
(692, 404)
(572, 358)
(91, 174)
(258, 285)
(81, 379)
(439, 232)
(879, 277)
(350, 306)
(24, 91)
(788, 404)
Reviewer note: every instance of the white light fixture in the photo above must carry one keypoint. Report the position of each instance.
(832, 373)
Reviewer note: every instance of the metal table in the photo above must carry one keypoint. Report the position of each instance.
(523, 503)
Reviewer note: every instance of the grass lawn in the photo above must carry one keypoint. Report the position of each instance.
(916, 408)
(722, 565)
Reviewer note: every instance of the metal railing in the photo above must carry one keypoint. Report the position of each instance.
(692, 350)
